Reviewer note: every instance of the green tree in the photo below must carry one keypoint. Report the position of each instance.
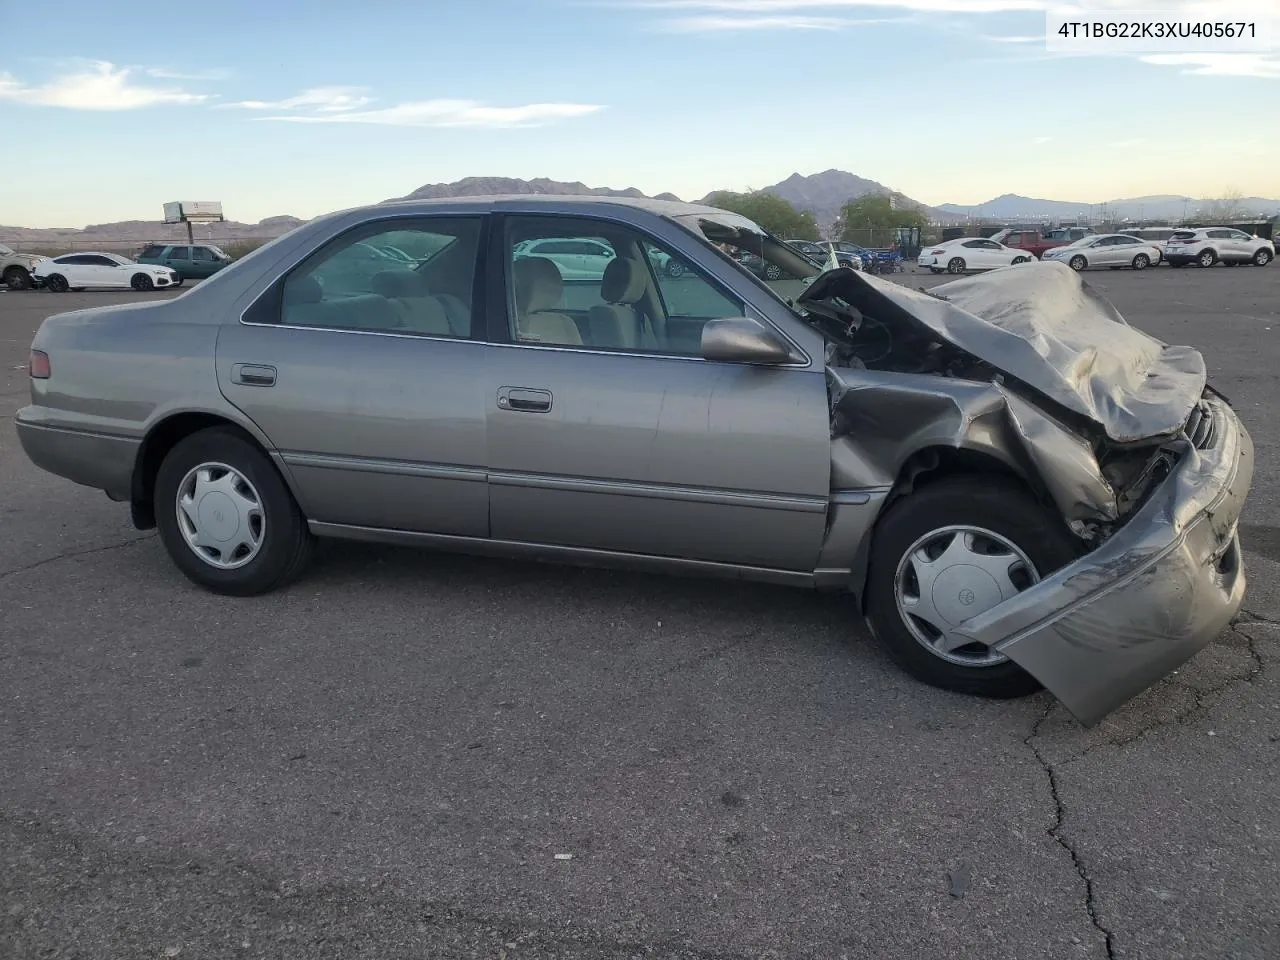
(771, 212)
(877, 211)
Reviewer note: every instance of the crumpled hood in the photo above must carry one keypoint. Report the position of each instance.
(1042, 324)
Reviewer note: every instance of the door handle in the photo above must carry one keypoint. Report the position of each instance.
(253, 374)
(524, 399)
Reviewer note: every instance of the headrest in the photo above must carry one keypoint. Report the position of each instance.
(303, 289)
(399, 283)
(624, 281)
(538, 284)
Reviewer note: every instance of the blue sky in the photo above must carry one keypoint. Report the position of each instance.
(299, 108)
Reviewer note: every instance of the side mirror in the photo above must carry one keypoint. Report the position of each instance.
(742, 340)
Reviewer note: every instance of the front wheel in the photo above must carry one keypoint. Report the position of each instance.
(141, 281)
(1077, 263)
(225, 516)
(675, 269)
(956, 265)
(57, 283)
(943, 555)
(1262, 258)
(16, 278)
(772, 272)
(1141, 262)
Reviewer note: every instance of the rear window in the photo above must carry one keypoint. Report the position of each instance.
(1184, 235)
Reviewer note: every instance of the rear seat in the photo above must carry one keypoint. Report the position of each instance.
(425, 313)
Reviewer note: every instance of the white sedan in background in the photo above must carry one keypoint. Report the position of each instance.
(100, 271)
(970, 253)
(1114, 250)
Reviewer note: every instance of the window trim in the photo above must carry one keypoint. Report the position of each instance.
(270, 300)
(498, 325)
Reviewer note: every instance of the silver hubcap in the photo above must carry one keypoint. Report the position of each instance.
(220, 515)
(952, 575)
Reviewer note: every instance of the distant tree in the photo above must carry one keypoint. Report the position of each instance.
(772, 212)
(877, 211)
(1226, 208)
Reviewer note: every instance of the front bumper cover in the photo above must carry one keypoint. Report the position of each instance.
(1109, 625)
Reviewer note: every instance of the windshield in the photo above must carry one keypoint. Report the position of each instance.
(772, 264)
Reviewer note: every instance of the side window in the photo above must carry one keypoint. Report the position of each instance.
(201, 253)
(354, 283)
(972, 244)
(102, 262)
(179, 253)
(76, 260)
(152, 251)
(644, 299)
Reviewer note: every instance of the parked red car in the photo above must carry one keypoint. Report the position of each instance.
(1037, 243)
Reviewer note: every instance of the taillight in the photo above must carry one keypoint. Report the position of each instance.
(38, 365)
(936, 253)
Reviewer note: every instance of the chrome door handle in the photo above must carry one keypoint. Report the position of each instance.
(524, 399)
(253, 374)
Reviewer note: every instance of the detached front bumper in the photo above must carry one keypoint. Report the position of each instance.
(1108, 626)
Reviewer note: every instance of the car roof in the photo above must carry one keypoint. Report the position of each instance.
(664, 208)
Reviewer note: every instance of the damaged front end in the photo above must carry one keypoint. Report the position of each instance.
(1029, 371)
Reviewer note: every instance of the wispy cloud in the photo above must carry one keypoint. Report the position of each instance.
(1219, 64)
(97, 85)
(1040, 140)
(323, 99)
(164, 73)
(714, 24)
(447, 113)
(1015, 39)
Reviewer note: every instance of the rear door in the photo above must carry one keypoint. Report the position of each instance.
(646, 450)
(178, 259)
(366, 376)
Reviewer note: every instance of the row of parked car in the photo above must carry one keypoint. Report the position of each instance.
(1203, 246)
(157, 265)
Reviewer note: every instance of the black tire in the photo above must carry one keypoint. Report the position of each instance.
(57, 283)
(1207, 258)
(1018, 260)
(956, 265)
(17, 278)
(772, 271)
(287, 542)
(1077, 263)
(141, 282)
(995, 504)
(675, 269)
(935, 270)
(1141, 262)
(1262, 258)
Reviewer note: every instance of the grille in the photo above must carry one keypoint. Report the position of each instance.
(1200, 426)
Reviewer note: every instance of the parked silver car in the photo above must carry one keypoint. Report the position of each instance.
(1017, 487)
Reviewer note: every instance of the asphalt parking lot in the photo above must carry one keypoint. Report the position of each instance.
(386, 759)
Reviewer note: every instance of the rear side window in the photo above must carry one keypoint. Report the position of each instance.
(179, 253)
(152, 251)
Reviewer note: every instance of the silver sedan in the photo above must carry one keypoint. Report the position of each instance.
(1016, 487)
(1114, 250)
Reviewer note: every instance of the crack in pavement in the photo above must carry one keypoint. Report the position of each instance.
(72, 554)
(1055, 831)
(1200, 698)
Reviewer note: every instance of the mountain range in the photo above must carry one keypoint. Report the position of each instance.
(822, 194)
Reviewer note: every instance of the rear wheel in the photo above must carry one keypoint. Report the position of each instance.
(1077, 263)
(225, 516)
(772, 272)
(956, 265)
(1141, 262)
(675, 269)
(57, 283)
(141, 281)
(17, 278)
(1262, 258)
(947, 553)
(1207, 259)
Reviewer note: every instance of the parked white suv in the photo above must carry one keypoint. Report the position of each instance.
(1209, 245)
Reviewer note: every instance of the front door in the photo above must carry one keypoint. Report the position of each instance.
(203, 263)
(367, 379)
(608, 431)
